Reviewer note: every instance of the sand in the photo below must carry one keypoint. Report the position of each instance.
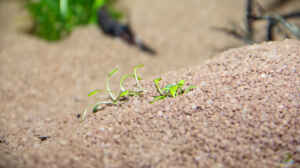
(243, 113)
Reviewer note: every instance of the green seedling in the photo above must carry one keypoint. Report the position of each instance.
(136, 77)
(170, 90)
(287, 161)
(123, 95)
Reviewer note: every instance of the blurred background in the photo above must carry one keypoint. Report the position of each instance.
(77, 58)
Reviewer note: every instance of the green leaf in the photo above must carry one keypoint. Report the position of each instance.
(113, 72)
(156, 82)
(97, 105)
(138, 66)
(95, 92)
(98, 3)
(95, 108)
(124, 77)
(159, 97)
(124, 93)
(168, 86)
(55, 19)
(63, 4)
(108, 85)
(173, 90)
(137, 78)
(156, 98)
(180, 83)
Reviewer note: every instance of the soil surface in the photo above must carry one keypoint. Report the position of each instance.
(244, 112)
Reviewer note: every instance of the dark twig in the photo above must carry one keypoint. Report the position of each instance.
(270, 27)
(249, 20)
(272, 21)
(292, 15)
(113, 28)
(234, 34)
(278, 4)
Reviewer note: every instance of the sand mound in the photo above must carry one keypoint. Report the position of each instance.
(245, 112)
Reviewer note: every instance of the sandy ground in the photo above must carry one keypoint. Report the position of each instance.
(243, 113)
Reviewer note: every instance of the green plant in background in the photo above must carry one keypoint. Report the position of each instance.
(170, 90)
(124, 93)
(55, 19)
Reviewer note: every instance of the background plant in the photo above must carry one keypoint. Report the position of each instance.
(55, 19)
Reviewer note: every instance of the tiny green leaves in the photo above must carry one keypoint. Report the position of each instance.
(115, 70)
(156, 82)
(173, 90)
(287, 161)
(123, 78)
(180, 83)
(170, 90)
(156, 98)
(112, 96)
(136, 77)
(123, 94)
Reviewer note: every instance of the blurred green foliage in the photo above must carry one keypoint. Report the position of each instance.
(55, 19)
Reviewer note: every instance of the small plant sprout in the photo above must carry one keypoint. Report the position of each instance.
(136, 77)
(287, 161)
(123, 95)
(170, 90)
